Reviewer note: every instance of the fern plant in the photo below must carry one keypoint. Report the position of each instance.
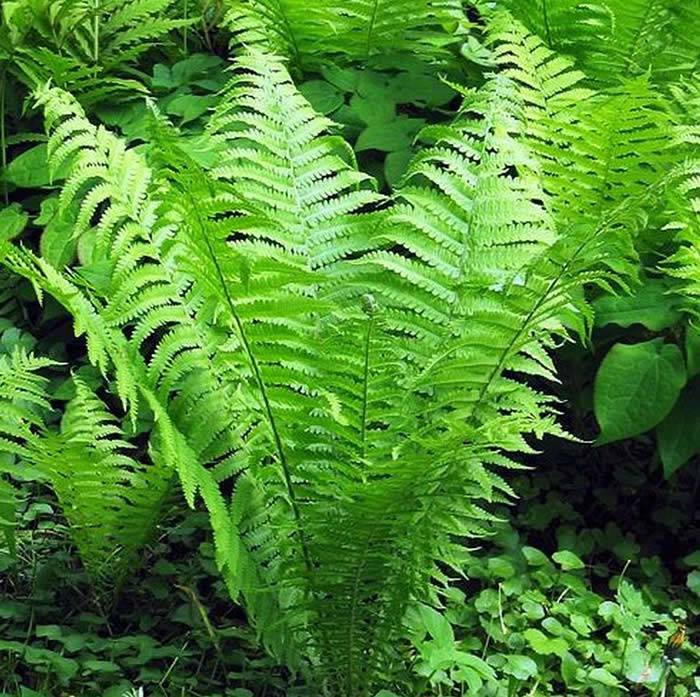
(342, 377)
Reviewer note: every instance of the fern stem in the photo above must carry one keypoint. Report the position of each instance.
(255, 367)
(96, 34)
(370, 28)
(545, 19)
(498, 368)
(365, 383)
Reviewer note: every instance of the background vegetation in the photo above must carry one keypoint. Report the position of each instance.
(350, 348)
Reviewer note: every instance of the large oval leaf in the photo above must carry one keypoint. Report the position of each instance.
(678, 435)
(636, 388)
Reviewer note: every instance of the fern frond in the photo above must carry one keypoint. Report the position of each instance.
(23, 406)
(597, 150)
(684, 213)
(143, 322)
(111, 500)
(281, 160)
(615, 40)
(23, 401)
(92, 47)
(473, 324)
(353, 31)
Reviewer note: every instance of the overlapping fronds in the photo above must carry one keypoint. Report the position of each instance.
(357, 378)
(294, 207)
(599, 151)
(615, 40)
(23, 405)
(481, 290)
(111, 500)
(90, 46)
(142, 322)
(358, 30)
(467, 215)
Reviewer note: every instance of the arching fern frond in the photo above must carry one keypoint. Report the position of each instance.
(475, 320)
(301, 182)
(144, 317)
(597, 150)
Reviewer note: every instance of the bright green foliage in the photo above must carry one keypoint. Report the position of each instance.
(22, 391)
(360, 30)
(86, 45)
(636, 388)
(343, 377)
(110, 500)
(618, 39)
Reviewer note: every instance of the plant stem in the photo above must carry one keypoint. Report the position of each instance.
(545, 18)
(3, 137)
(185, 30)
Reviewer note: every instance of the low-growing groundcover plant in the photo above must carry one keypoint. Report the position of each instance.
(320, 297)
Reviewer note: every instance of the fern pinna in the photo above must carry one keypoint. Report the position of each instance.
(343, 377)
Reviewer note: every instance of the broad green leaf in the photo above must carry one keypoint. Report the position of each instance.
(475, 663)
(553, 626)
(693, 582)
(501, 567)
(544, 645)
(569, 668)
(162, 77)
(692, 559)
(13, 220)
(637, 667)
(603, 676)
(651, 305)
(189, 106)
(678, 435)
(520, 667)
(57, 244)
(568, 560)
(29, 169)
(534, 556)
(636, 388)
(437, 625)
(323, 97)
(344, 79)
(421, 89)
(692, 350)
(198, 64)
(395, 165)
(373, 111)
(388, 137)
